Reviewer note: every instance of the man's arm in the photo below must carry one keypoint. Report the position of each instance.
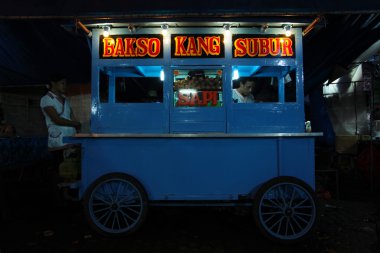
(52, 113)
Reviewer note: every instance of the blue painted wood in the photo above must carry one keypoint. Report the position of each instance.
(198, 168)
(266, 118)
(131, 117)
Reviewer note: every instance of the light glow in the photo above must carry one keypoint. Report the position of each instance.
(106, 31)
(227, 30)
(235, 74)
(288, 30)
(165, 28)
(162, 75)
(188, 91)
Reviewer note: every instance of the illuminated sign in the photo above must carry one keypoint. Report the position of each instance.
(126, 46)
(251, 46)
(191, 97)
(197, 46)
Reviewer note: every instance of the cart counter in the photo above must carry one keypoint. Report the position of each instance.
(211, 166)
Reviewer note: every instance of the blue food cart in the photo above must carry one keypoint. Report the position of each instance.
(165, 129)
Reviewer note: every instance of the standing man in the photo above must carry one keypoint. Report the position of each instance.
(59, 118)
(243, 94)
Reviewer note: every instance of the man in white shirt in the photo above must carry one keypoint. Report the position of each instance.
(60, 122)
(59, 117)
(243, 94)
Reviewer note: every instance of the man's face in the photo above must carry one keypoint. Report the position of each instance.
(246, 88)
(60, 85)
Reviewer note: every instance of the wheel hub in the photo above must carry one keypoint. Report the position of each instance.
(114, 206)
(288, 212)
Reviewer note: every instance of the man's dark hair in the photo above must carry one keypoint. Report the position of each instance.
(243, 80)
(57, 77)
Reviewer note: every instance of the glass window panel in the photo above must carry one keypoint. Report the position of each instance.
(263, 84)
(139, 85)
(103, 86)
(266, 89)
(248, 89)
(198, 88)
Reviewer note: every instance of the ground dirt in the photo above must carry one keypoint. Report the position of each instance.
(35, 223)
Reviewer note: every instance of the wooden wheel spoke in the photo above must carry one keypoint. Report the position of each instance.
(116, 204)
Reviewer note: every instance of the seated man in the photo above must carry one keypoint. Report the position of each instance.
(243, 94)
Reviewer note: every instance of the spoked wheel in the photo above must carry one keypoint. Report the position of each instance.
(115, 204)
(285, 210)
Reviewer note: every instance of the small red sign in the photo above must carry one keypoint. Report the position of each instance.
(197, 46)
(251, 46)
(138, 46)
(198, 98)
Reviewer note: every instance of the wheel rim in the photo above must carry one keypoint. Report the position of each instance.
(287, 211)
(116, 206)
